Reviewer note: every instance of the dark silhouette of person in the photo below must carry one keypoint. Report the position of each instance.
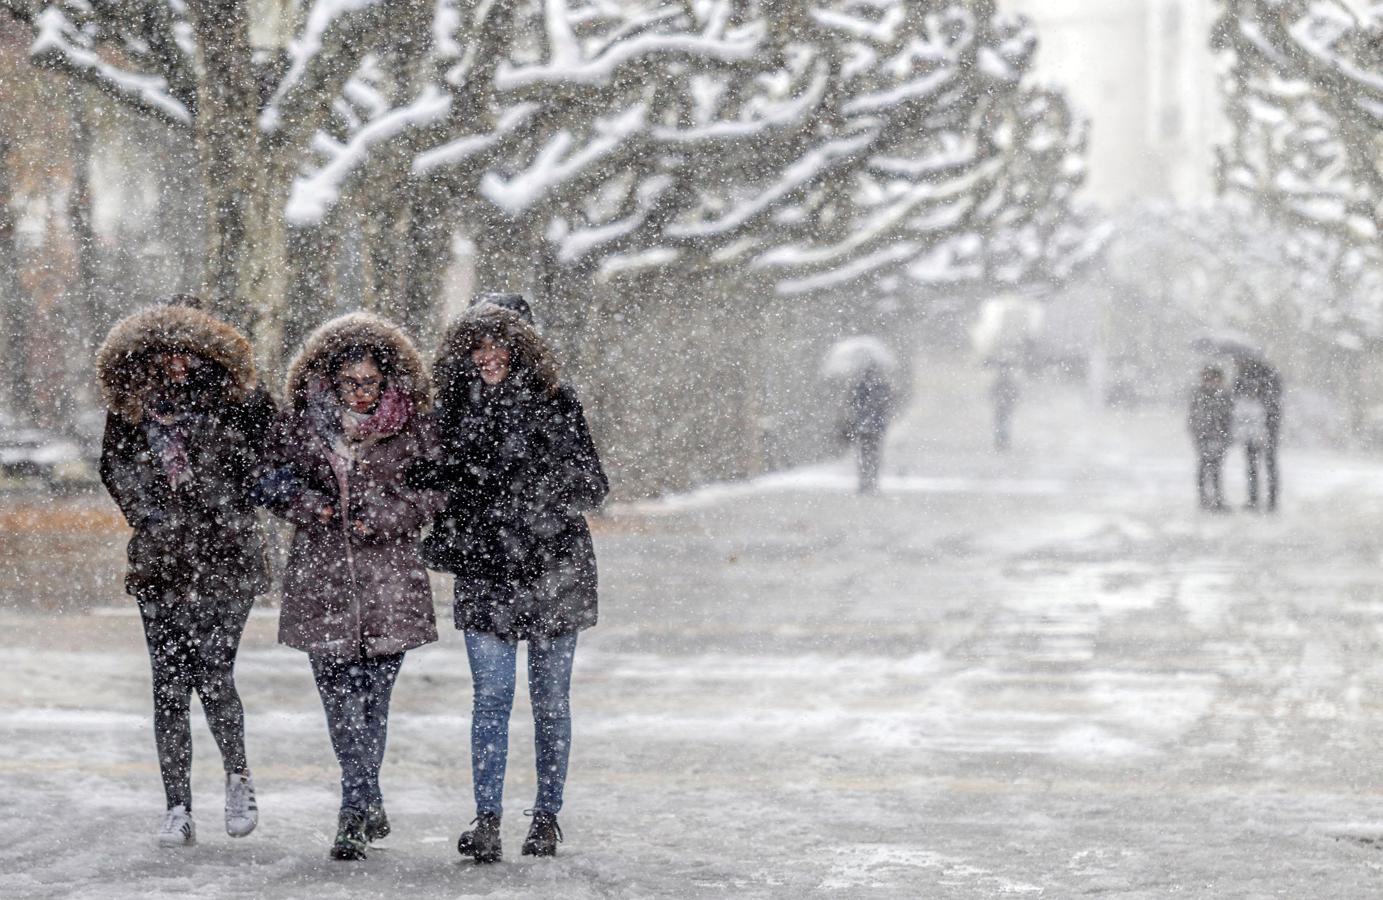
(1256, 379)
(868, 410)
(1210, 421)
(1004, 393)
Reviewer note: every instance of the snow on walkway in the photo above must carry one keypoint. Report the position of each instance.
(1043, 675)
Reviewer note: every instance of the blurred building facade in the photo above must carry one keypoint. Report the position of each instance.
(1143, 73)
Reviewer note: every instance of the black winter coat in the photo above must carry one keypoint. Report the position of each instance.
(519, 470)
(1259, 380)
(869, 407)
(1210, 419)
(204, 534)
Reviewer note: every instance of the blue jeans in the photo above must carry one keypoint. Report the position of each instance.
(494, 662)
(355, 694)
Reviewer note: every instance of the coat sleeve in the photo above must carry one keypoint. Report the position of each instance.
(254, 418)
(257, 417)
(120, 471)
(280, 485)
(571, 475)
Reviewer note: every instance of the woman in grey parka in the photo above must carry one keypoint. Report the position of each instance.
(356, 596)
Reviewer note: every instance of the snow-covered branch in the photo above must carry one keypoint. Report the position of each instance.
(559, 161)
(313, 195)
(1307, 76)
(59, 46)
(606, 66)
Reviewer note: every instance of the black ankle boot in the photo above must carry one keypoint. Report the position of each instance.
(543, 835)
(350, 836)
(376, 823)
(482, 842)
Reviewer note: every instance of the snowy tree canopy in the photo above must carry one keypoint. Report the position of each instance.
(1306, 99)
(1227, 266)
(815, 143)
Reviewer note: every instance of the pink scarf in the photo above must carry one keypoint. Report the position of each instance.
(391, 414)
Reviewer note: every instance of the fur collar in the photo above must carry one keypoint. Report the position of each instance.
(395, 353)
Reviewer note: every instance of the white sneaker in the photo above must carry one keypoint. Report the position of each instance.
(177, 829)
(242, 813)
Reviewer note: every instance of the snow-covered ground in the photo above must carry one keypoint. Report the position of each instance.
(1044, 675)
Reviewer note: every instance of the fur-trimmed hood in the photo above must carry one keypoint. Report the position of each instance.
(398, 359)
(530, 354)
(124, 362)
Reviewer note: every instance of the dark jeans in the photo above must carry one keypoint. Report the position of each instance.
(1268, 453)
(869, 456)
(1208, 472)
(192, 642)
(355, 695)
(494, 664)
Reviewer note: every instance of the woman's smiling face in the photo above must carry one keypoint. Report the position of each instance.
(492, 360)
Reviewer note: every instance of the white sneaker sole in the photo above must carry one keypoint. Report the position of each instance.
(241, 828)
(177, 840)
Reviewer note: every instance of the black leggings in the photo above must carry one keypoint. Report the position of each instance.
(192, 644)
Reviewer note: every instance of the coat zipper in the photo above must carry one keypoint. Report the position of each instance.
(344, 489)
(350, 557)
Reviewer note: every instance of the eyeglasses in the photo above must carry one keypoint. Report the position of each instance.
(368, 385)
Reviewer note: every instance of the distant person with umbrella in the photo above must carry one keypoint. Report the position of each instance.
(1257, 396)
(1258, 412)
(865, 366)
(868, 412)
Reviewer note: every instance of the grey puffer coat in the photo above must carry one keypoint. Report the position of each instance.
(345, 594)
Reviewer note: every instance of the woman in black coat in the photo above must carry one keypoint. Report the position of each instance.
(519, 470)
(183, 435)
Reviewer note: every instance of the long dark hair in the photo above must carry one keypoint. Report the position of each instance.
(531, 364)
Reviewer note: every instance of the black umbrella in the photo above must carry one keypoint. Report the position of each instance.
(1237, 346)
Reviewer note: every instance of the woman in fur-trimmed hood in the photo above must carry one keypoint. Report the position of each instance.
(356, 595)
(181, 448)
(519, 470)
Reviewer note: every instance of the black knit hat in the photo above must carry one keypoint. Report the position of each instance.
(513, 302)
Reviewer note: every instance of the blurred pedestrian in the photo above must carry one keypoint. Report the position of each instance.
(1258, 386)
(182, 441)
(868, 410)
(519, 470)
(1004, 393)
(1211, 422)
(356, 596)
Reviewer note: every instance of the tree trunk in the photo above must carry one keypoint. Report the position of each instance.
(427, 240)
(311, 281)
(14, 301)
(80, 303)
(505, 251)
(82, 294)
(246, 183)
(180, 226)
